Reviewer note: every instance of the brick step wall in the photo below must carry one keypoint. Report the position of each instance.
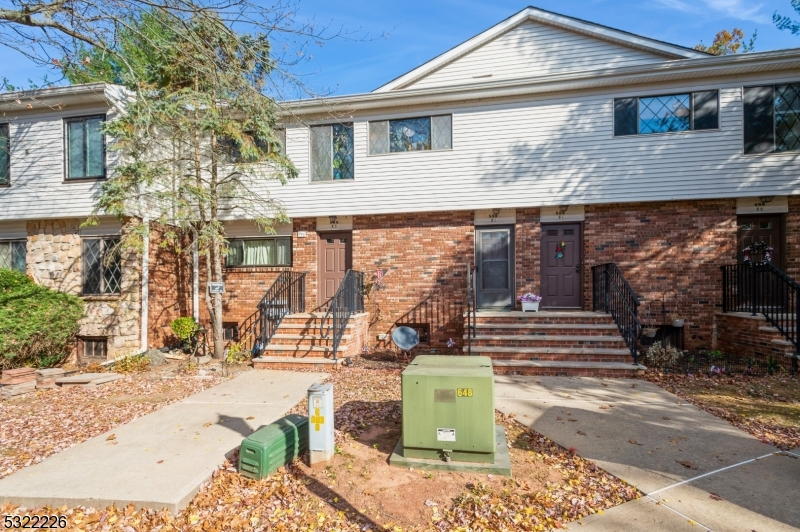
(575, 343)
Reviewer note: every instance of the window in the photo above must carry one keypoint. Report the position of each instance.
(423, 331)
(102, 273)
(332, 152)
(5, 155)
(411, 134)
(92, 348)
(231, 151)
(665, 114)
(772, 118)
(85, 148)
(12, 255)
(260, 252)
(230, 332)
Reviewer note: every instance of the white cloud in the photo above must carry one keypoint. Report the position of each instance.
(738, 9)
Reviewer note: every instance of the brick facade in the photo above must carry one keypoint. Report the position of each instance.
(752, 337)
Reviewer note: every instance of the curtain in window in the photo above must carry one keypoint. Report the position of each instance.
(262, 252)
(85, 148)
(259, 252)
(5, 156)
(284, 250)
(76, 144)
(94, 147)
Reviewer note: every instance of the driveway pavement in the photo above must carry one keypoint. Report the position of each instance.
(697, 471)
(161, 459)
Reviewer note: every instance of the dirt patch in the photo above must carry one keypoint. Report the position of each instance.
(767, 407)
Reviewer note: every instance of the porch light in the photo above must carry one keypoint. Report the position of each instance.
(495, 212)
(333, 219)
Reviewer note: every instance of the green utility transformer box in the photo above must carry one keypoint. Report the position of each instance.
(448, 410)
(270, 447)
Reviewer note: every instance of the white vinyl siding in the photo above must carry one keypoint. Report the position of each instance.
(38, 189)
(533, 49)
(548, 151)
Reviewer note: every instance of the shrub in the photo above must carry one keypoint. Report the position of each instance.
(184, 329)
(38, 325)
(131, 364)
(662, 356)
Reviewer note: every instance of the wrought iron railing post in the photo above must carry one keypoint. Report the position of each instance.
(724, 289)
(753, 289)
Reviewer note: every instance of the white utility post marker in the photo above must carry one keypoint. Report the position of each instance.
(320, 423)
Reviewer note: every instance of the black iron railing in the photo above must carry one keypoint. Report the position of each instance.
(471, 307)
(612, 294)
(287, 295)
(761, 288)
(348, 300)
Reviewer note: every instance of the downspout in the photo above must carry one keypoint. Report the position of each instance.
(145, 285)
(195, 281)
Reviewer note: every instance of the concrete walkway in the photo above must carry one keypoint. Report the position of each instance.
(161, 459)
(697, 471)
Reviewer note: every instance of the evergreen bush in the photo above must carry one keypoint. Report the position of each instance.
(38, 325)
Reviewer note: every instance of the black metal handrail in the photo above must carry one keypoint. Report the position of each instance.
(287, 295)
(612, 294)
(762, 288)
(348, 300)
(471, 307)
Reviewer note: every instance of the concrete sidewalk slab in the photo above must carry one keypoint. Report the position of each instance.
(664, 446)
(642, 515)
(161, 459)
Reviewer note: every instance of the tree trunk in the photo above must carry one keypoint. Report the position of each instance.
(216, 316)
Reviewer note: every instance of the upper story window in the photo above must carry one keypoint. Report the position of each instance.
(273, 251)
(13, 255)
(665, 114)
(102, 272)
(772, 118)
(332, 156)
(85, 151)
(232, 151)
(5, 155)
(411, 134)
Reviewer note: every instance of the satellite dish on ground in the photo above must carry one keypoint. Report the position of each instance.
(405, 338)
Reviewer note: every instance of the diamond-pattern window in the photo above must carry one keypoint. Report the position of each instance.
(321, 153)
(410, 134)
(13, 255)
(787, 117)
(379, 137)
(663, 114)
(343, 156)
(102, 273)
(442, 132)
(5, 155)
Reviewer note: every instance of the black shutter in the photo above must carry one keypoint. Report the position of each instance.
(625, 116)
(759, 119)
(706, 109)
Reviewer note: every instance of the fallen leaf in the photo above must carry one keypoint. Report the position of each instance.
(687, 464)
(634, 442)
(581, 433)
(207, 424)
(715, 497)
(111, 437)
(250, 417)
(160, 462)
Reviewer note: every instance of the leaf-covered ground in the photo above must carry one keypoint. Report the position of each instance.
(767, 407)
(41, 424)
(552, 487)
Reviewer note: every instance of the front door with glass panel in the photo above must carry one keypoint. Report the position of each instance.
(494, 267)
(561, 266)
(335, 258)
(761, 228)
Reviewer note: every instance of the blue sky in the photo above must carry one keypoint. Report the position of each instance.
(418, 30)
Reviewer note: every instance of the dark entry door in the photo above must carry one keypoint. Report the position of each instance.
(767, 227)
(561, 266)
(335, 258)
(494, 263)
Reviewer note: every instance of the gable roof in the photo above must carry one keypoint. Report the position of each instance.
(597, 31)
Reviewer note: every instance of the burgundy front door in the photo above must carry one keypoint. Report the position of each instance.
(766, 227)
(561, 266)
(335, 258)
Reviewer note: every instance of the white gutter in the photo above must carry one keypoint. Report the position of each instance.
(659, 72)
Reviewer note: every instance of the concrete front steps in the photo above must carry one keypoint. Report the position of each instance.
(298, 344)
(570, 343)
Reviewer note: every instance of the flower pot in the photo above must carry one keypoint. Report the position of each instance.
(650, 333)
(678, 323)
(530, 306)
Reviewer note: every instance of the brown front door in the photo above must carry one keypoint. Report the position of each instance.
(335, 258)
(561, 266)
(766, 227)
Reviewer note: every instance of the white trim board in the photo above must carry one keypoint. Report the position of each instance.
(563, 213)
(495, 216)
(334, 223)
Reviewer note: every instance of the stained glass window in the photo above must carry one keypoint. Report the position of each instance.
(102, 273)
(442, 132)
(5, 155)
(664, 114)
(85, 148)
(787, 120)
(332, 155)
(379, 137)
(13, 255)
(410, 134)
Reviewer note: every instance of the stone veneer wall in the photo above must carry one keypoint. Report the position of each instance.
(54, 257)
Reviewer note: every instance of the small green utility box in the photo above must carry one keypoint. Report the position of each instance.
(273, 446)
(448, 409)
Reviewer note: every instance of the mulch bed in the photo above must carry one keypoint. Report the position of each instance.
(360, 491)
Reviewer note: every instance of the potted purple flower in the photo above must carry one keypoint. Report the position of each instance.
(530, 302)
